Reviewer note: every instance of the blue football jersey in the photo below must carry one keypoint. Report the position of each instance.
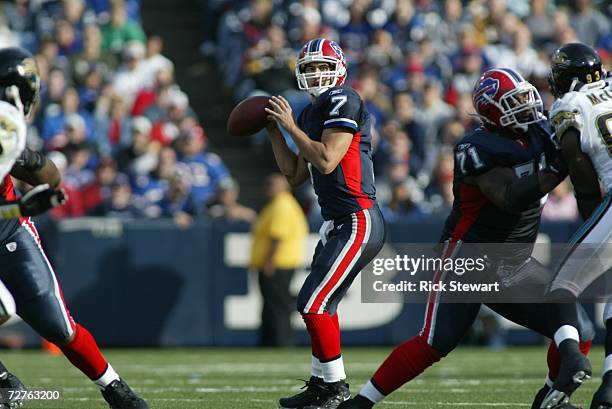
(350, 187)
(473, 217)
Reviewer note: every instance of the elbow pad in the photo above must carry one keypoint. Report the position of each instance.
(523, 192)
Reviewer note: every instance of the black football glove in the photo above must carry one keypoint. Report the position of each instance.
(556, 164)
(40, 199)
(31, 160)
(554, 159)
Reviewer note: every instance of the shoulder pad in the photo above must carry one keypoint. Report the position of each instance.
(566, 113)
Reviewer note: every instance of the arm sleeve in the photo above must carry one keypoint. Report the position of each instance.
(342, 108)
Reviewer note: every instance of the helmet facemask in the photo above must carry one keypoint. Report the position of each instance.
(317, 82)
(520, 107)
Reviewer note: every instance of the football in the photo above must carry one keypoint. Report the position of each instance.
(248, 117)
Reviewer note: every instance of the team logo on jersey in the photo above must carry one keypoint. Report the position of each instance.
(563, 116)
(486, 91)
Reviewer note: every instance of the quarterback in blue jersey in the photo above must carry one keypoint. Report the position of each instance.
(335, 147)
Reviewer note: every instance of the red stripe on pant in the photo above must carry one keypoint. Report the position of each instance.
(434, 295)
(343, 265)
(27, 223)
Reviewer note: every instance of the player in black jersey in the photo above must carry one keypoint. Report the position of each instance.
(502, 170)
(335, 143)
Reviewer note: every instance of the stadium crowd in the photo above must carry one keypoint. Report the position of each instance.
(121, 130)
(414, 62)
(111, 116)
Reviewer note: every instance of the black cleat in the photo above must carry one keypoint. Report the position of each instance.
(358, 402)
(9, 384)
(336, 393)
(315, 389)
(574, 371)
(539, 398)
(120, 396)
(603, 397)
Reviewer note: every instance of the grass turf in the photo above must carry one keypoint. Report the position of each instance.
(255, 378)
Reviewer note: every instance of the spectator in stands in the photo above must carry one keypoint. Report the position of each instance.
(99, 190)
(561, 204)
(277, 249)
(226, 206)
(539, 21)
(120, 31)
(113, 128)
(590, 24)
(383, 52)
(270, 64)
(141, 157)
(310, 26)
(120, 203)
(405, 25)
(91, 90)
(374, 94)
(131, 76)
(149, 190)
(174, 115)
(7, 37)
(405, 113)
(54, 120)
(78, 174)
(440, 191)
(53, 92)
(66, 38)
(469, 69)
(74, 207)
(355, 36)
(91, 56)
(401, 208)
(178, 201)
(564, 32)
(155, 61)
(205, 170)
(148, 96)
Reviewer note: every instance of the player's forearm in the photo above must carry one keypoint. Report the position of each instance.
(522, 192)
(314, 152)
(34, 168)
(587, 207)
(286, 160)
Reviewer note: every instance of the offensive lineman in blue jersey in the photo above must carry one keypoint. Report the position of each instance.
(334, 140)
(502, 170)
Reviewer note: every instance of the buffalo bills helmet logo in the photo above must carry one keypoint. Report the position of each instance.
(488, 87)
(337, 49)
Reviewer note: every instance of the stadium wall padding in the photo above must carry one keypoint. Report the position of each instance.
(149, 283)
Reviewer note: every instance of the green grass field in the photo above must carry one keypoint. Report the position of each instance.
(250, 379)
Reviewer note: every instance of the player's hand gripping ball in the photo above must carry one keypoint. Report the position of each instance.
(248, 117)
